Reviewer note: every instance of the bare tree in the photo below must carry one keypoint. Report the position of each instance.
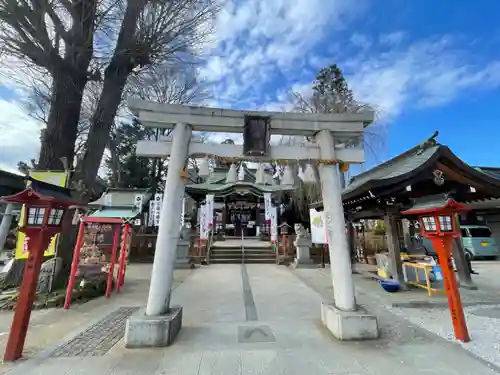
(151, 32)
(329, 94)
(164, 84)
(56, 37)
(78, 43)
(38, 104)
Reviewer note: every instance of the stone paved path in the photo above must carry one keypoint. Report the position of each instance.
(264, 319)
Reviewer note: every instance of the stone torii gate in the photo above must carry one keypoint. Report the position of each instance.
(338, 138)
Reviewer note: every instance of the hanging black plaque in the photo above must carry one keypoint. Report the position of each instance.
(256, 135)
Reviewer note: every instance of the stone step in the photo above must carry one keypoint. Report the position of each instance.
(239, 261)
(237, 251)
(246, 248)
(239, 256)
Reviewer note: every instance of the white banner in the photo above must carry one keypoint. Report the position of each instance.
(151, 213)
(158, 204)
(267, 206)
(138, 200)
(209, 207)
(318, 226)
(183, 211)
(203, 222)
(274, 223)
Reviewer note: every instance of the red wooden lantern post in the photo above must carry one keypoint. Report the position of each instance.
(437, 220)
(45, 207)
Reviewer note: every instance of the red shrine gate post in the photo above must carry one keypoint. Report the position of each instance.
(45, 207)
(437, 220)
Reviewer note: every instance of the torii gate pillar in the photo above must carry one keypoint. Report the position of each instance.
(340, 258)
(160, 323)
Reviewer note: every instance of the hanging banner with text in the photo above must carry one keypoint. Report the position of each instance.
(158, 204)
(54, 178)
(267, 206)
(274, 223)
(203, 222)
(183, 211)
(209, 207)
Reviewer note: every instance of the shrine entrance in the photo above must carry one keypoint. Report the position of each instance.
(243, 218)
(334, 141)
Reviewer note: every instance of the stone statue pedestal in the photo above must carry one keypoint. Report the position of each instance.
(182, 253)
(302, 245)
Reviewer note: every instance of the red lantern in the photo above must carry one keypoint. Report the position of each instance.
(436, 215)
(45, 206)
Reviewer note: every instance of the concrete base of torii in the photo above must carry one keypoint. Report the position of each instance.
(349, 325)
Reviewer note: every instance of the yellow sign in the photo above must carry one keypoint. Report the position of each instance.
(54, 178)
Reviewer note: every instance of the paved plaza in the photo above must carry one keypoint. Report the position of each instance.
(261, 319)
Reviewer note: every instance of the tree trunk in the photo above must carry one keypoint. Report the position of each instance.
(101, 126)
(62, 127)
(115, 78)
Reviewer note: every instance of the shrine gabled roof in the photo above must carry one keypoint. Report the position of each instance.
(491, 171)
(407, 166)
(218, 176)
(41, 191)
(225, 189)
(120, 198)
(435, 203)
(400, 166)
(216, 183)
(11, 183)
(120, 213)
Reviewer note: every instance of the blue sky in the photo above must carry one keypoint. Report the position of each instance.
(425, 65)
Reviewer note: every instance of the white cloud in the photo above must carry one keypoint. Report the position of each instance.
(256, 39)
(423, 74)
(19, 135)
(361, 41)
(392, 38)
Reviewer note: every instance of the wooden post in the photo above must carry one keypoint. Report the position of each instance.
(74, 264)
(112, 261)
(395, 263)
(461, 264)
(351, 240)
(19, 328)
(123, 256)
(443, 246)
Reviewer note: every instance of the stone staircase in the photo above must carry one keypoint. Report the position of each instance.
(235, 253)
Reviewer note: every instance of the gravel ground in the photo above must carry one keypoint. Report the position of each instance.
(484, 330)
(413, 341)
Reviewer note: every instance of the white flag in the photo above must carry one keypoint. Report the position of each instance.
(267, 206)
(158, 204)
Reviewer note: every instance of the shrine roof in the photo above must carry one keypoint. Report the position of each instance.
(408, 166)
(435, 203)
(37, 191)
(401, 165)
(492, 171)
(216, 183)
(120, 198)
(120, 213)
(11, 183)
